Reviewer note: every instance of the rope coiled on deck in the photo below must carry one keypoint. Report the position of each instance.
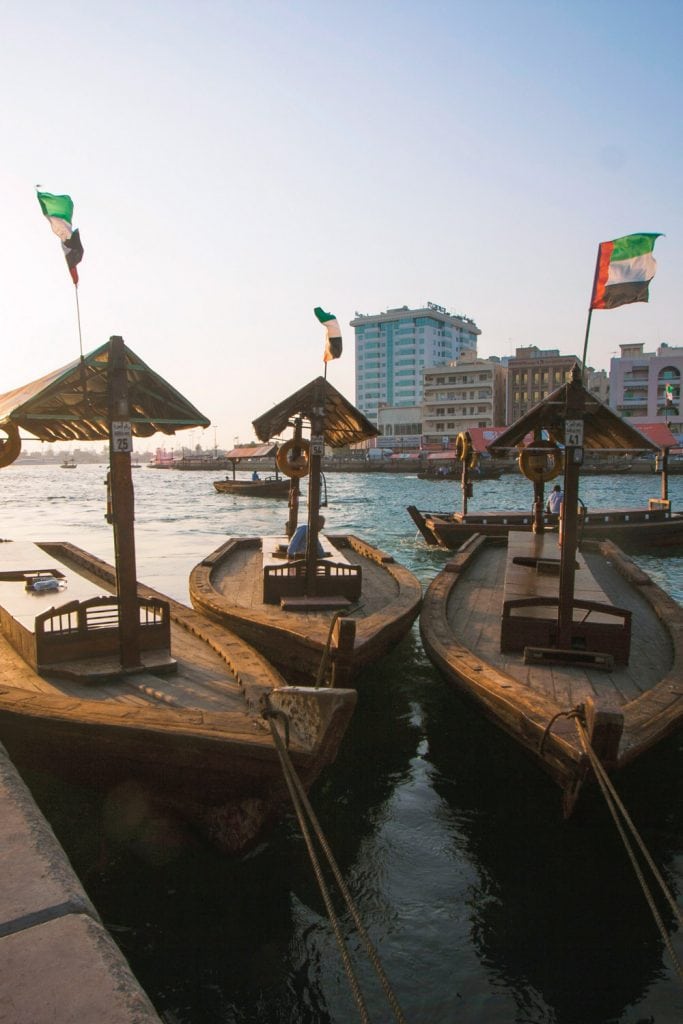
(306, 814)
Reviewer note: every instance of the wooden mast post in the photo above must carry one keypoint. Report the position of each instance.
(573, 438)
(293, 517)
(123, 509)
(314, 470)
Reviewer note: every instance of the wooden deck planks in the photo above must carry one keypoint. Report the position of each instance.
(474, 614)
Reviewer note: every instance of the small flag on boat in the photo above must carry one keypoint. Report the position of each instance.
(333, 343)
(59, 211)
(624, 270)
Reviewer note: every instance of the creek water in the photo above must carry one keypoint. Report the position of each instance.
(484, 905)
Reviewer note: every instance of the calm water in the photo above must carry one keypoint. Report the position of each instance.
(486, 907)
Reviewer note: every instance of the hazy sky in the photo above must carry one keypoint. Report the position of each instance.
(234, 164)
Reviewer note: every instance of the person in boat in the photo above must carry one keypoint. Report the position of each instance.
(555, 499)
(297, 545)
(255, 476)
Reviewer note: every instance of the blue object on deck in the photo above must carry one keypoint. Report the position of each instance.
(297, 545)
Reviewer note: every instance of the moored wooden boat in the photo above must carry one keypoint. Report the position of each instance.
(114, 682)
(187, 728)
(338, 603)
(634, 529)
(460, 624)
(571, 649)
(228, 586)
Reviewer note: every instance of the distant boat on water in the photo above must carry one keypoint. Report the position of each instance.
(68, 464)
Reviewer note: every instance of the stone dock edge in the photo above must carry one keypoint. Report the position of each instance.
(57, 961)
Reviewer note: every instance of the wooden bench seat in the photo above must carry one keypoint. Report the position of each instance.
(531, 602)
(77, 622)
(284, 579)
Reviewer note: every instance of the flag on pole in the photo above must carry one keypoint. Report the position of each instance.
(333, 343)
(669, 394)
(59, 212)
(624, 270)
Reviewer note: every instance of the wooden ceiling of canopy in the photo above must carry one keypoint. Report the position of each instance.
(72, 403)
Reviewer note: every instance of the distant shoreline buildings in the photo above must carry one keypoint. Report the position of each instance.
(420, 380)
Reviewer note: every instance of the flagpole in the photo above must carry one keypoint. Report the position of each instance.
(78, 318)
(585, 346)
(588, 322)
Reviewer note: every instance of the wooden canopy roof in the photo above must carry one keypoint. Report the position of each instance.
(253, 451)
(343, 423)
(72, 403)
(602, 428)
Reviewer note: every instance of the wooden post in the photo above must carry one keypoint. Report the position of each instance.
(665, 474)
(293, 517)
(574, 410)
(123, 508)
(315, 461)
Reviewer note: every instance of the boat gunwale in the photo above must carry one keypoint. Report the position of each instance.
(370, 629)
(495, 689)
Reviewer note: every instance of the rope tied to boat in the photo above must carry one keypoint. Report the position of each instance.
(324, 661)
(623, 821)
(575, 712)
(306, 815)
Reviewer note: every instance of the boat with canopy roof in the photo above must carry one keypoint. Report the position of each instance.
(328, 609)
(568, 647)
(112, 682)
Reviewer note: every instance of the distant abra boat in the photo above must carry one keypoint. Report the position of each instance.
(69, 464)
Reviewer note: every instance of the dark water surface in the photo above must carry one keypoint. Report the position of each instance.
(484, 905)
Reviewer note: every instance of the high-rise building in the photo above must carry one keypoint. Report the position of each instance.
(393, 349)
(646, 386)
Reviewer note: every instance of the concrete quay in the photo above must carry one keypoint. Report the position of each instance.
(58, 964)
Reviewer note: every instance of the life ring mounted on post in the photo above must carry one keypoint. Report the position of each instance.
(541, 461)
(9, 448)
(464, 449)
(297, 466)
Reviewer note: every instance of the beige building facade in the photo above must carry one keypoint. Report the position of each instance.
(469, 392)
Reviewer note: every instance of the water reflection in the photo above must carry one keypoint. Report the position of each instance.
(556, 912)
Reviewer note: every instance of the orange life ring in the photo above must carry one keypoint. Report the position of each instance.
(541, 461)
(9, 449)
(298, 466)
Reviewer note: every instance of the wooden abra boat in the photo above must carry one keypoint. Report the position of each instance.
(187, 726)
(634, 529)
(560, 647)
(117, 683)
(328, 610)
(270, 487)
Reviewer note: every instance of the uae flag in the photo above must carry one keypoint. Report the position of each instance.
(333, 342)
(59, 212)
(624, 270)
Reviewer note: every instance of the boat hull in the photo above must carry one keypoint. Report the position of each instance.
(194, 742)
(227, 586)
(632, 529)
(254, 488)
(461, 635)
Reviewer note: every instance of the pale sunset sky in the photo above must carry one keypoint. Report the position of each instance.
(234, 164)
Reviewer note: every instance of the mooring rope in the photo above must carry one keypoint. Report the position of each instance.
(303, 807)
(617, 808)
(319, 679)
